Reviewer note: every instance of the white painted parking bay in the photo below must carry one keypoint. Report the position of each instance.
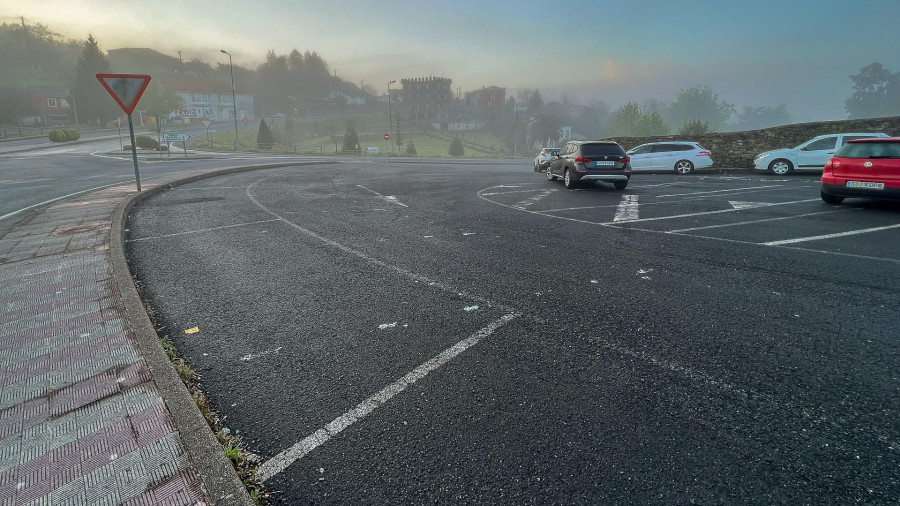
(775, 212)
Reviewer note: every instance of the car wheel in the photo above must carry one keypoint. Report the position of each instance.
(620, 185)
(780, 167)
(684, 167)
(831, 199)
(550, 175)
(567, 178)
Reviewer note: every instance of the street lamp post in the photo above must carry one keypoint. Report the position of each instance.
(390, 116)
(233, 99)
(516, 130)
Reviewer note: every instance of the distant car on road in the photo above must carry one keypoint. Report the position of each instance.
(868, 168)
(590, 161)
(811, 155)
(681, 156)
(540, 161)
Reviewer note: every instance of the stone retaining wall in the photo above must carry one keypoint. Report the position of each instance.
(737, 149)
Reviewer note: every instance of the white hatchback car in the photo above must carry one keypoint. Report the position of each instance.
(681, 156)
(811, 155)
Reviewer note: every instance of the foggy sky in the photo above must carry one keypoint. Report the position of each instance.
(754, 52)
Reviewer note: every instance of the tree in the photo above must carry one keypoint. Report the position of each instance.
(160, 101)
(411, 148)
(456, 148)
(351, 140)
(265, 139)
(92, 101)
(535, 104)
(699, 102)
(545, 128)
(876, 93)
(651, 124)
(625, 120)
(694, 127)
(753, 118)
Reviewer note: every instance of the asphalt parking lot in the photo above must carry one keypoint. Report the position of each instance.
(428, 332)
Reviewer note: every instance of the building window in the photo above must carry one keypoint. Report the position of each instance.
(225, 99)
(64, 103)
(200, 97)
(51, 102)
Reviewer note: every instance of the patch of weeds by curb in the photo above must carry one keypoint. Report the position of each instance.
(245, 463)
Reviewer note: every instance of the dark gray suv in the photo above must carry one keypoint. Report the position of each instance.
(590, 161)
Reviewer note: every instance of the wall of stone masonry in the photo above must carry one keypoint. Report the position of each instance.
(737, 149)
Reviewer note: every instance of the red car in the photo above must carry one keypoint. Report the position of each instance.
(867, 168)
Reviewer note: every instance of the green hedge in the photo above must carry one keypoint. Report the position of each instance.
(63, 135)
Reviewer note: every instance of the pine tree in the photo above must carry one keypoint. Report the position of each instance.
(456, 148)
(351, 140)
(411, 148)
(264, 139)
(93, 102)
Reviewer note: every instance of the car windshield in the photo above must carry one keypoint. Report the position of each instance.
(870, 150)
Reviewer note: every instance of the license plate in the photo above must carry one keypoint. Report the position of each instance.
(605, 164)
(865, 184)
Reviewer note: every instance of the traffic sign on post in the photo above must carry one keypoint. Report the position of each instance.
(126, 89)
(206, 122)
(387, 137)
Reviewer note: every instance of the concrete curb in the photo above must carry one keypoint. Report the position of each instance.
(217, 476)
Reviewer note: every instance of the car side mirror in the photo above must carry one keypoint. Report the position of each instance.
(804, 148)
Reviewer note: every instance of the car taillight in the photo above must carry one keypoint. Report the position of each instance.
(833, 163)
(703, 153)
(624, 159)
(581, 159)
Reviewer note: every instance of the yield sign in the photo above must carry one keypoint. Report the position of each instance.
(206, 122)
(126, 89)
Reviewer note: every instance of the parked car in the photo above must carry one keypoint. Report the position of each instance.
(540, 161)
(812, 154)
(681, 156)
(868, 168)
(590, 161)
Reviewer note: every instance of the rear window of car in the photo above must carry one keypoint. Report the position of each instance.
(601, 150)
(870, 150)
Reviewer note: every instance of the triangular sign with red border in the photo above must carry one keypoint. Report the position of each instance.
(126, 89)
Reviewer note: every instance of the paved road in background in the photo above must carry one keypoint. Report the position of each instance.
(45, 172)
(435, 333)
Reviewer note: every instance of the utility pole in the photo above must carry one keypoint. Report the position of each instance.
(233, 99)
(390, 116)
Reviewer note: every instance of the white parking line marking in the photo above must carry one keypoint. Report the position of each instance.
(828, 236)
(202, 230)
(747, 205)
(751, 222)
(514, 191)
(389, 198)
(628, 208)
(703, 213)
(537, 198)
(721, 191)
(299, 450)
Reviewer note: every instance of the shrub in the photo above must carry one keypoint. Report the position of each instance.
(126, 147)
(411, 148)
(145, 142)
(265, 139)
(163, 147)
(456, 148)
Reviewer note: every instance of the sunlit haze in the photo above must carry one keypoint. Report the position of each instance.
(759, 53)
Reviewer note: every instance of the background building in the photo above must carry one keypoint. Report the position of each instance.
(426, 97)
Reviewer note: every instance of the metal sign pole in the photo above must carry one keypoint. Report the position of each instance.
(137, 175)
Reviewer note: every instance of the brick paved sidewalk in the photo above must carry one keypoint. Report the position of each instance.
(82, 420)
